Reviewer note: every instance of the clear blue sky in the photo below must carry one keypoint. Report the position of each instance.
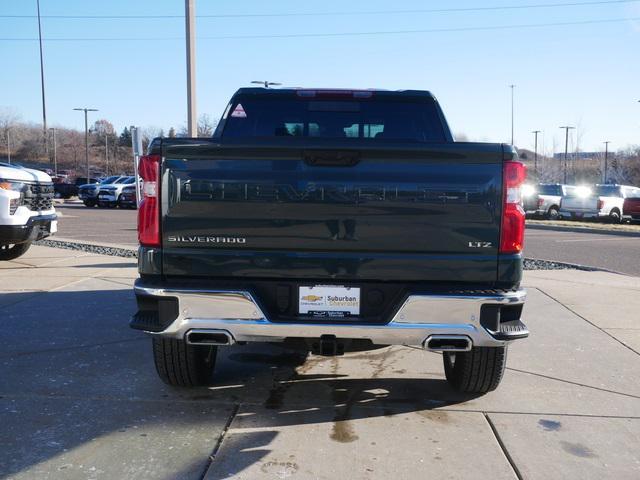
(584, 75)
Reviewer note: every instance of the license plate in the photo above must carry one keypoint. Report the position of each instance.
(53, 228)
(329, 301)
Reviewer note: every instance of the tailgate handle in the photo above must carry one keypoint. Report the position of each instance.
(331, 158)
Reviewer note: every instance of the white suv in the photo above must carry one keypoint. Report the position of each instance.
(109, 195)
(26, 209)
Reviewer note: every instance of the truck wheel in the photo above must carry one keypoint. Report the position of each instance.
(11, 251)
(614, 216)
(553, 213)
(477, 371)
(183, 365)
(89, 203)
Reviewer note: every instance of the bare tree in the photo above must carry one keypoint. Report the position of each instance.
(206, 126)
(8, 120)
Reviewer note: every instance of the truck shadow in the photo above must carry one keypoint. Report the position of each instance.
(70, 359)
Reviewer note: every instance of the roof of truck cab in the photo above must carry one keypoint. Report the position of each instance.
(295, 92)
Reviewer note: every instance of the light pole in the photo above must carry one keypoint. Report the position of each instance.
(55, 151)
(535, 152)
(566, 149)
(106, 151)
(606, 158)
(190, 34)
(44, 108)
(512, 87)
(265, 83)
(86, 135)
(8, 147)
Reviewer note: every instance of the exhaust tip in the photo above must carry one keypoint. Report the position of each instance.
(448, 343)
(209, 337)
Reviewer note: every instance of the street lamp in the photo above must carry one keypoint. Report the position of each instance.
(265, 83)
(86, 135)
(535, 152)
(566, 149)
(55, 151)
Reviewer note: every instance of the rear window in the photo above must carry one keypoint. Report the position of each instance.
(320, 118)
(608, 191)
(549, 190)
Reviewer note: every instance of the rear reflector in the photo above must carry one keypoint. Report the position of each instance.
(512, 231)
(149, 210)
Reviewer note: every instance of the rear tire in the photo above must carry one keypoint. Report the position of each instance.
(182, 365)
(553, 213)
(477, 371)
(12, 251)
(614, 216)
(89, 204)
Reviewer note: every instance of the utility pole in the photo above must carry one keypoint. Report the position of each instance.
(44, 108)
(106, 151)
(190, 33)
(535, 153)
(8, 147)
(86, 135)
(511, 87)
(55, 156)
(606, 158)
(566, 149)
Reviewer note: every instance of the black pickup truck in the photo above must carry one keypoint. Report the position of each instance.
(332, 221)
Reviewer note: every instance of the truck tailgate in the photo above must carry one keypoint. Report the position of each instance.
(428, 213)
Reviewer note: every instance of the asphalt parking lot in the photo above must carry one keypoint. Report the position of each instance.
(79, 398)
(614, 251)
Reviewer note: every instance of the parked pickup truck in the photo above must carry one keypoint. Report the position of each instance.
(332, 221)
(606, 202)
(631, 207)
(68, 190)
(544, 199)
(26, 209)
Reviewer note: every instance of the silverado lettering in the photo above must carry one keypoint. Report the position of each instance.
(207, 239)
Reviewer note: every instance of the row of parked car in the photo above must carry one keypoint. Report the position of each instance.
(612, 202)
(110, 192)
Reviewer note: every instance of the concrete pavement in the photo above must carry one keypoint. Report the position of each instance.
(79, 397)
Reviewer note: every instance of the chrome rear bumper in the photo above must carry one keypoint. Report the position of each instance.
(420, 316)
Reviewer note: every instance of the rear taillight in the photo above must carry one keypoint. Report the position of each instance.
(512, 231)
(540, 202)
(149, 209)
(600, 204)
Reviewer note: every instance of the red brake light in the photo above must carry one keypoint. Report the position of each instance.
(600, 204)
(540, 202)
(149, 209)
(512, 231)
(335, 93)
